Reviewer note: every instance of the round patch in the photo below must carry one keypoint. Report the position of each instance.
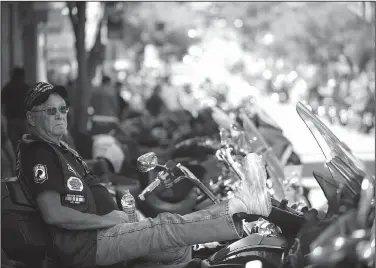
(75, 184)
(40, 173)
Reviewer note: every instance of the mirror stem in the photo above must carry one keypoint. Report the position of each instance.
(160, 166)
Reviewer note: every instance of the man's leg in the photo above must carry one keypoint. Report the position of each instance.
(175, 257)
(133, 240)
(167, 231)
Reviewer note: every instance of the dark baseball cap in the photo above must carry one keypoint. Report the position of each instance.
(39, 93)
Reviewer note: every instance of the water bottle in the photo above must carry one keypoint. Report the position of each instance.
(128, 204)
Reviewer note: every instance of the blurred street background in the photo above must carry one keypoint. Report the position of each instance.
(321, 53)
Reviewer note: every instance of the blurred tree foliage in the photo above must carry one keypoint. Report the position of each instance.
(313, 32)
(160, 23)
(320, 32)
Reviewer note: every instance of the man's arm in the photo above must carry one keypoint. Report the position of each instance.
(47, 185)
(55, 214)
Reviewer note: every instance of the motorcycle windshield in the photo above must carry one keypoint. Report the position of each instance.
(252, 108)
(345, 169)
(258, 144)
(223, 119)
(266, 119)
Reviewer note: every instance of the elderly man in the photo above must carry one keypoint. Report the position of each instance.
(59, 184)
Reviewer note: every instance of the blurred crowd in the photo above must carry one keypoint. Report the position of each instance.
(342, 100)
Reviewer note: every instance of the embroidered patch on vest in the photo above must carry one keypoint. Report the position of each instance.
(40, 173)
(74, 199)
(72, 170)
(75, 184)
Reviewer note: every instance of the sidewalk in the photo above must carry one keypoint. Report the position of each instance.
(305, 144)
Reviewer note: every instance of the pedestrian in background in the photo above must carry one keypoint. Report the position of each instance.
(13, 107)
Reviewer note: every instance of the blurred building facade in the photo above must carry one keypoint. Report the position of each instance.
(21, 27)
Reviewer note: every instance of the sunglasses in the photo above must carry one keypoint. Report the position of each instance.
(53, 110)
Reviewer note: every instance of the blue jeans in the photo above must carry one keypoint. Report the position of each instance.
(165, 239)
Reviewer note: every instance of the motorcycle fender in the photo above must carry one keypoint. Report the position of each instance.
(253, 242)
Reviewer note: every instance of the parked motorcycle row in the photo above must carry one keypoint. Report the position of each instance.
(181, 163)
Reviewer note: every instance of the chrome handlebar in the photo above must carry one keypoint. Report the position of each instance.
(170, 176)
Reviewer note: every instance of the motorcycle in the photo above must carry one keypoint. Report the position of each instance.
(267, 242)
(196, 153)
(275, 245)
(266, 238)
(200, 154)
(349, 240)
(243, 135)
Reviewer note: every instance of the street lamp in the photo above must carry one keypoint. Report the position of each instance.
(268, 39)
(192, 33)
(238, 23)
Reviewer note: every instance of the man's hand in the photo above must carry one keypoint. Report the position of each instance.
(121, 216)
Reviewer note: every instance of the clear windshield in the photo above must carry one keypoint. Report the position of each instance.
(260, 146)
(224, 120)
(252, 108)
(247, 138)
(344, 167)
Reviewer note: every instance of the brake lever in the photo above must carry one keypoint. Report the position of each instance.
(179, 179)
(190, 176)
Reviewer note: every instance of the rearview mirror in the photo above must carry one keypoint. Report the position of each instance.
(147, 162)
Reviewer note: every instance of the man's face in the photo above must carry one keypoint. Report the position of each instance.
(47, 124)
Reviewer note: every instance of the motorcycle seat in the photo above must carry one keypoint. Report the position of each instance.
(272, 246)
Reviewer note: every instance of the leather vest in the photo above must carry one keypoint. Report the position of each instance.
(76, 191)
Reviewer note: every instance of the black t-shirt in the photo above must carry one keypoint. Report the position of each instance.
(12, 96)
(70, 248)
(155, 104)
(4, 136)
